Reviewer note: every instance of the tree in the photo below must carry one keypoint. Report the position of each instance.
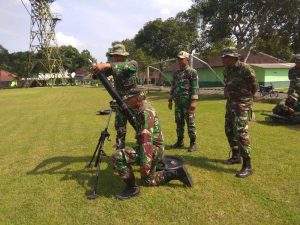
(4, 58)
(163, 39)
(247, 21)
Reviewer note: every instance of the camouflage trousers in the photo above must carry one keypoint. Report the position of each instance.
(124, 158)
(236, 129)
(182, 115)
(120, 126)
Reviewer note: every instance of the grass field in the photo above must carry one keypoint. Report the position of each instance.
(47, 135)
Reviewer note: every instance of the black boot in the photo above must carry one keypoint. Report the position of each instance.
(235, 158)
(179, 143)
(180, 174)
(246, 168)
(192, 147)
(131, 189)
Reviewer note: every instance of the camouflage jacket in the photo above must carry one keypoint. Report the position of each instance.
(148, 134)
(294, 77)
(283, 109)
(124, 74)
(184, 85)
(240, 86)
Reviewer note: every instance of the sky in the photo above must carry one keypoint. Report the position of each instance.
(86, 24)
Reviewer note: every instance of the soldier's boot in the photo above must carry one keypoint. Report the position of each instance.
(179, 143)
(180, 174)
(131, 189)
(235, 158)
(246, 168)
(193, 146)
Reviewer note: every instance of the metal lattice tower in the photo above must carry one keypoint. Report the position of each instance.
(43, 41)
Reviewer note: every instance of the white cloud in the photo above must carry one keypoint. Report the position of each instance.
(56, 8)
(63, 39)
(170, 7)
(165, 12)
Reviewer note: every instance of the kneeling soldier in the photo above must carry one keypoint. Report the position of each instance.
(147, 153)
(287, 107)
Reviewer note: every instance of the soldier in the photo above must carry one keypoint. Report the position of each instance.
(147, 153)
(294, 76)
(287, 107)
(184, 92)
(240, 88)
(124, 75)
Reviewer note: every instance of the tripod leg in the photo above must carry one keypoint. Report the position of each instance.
(94, 195)
(90, 164)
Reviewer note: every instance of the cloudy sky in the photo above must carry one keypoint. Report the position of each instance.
(86, 24)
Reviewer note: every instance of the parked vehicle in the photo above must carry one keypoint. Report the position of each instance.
(268, 91)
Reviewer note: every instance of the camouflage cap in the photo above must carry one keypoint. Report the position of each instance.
(134, 92)
(294, 96)
(230, 51)
(183, 55)
(119, 49)
(297, 58)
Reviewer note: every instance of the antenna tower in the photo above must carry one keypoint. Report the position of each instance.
(43, 41)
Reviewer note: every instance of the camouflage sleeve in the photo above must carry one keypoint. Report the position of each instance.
(145, 136)
(171, 94)
(194, 84)
(129, 67)
(251, 79)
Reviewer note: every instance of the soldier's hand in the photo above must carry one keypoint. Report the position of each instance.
(170, 105)
(192, 107)
(100, 67)
(291, 111)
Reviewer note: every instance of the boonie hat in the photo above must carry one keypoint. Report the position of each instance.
(119, 49)
(230, 51)
(183, 55)
(134, 92)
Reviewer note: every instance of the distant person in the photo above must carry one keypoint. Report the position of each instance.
(294, 76)
(124, 78)
(240, 88)
(184, 92)
(288, 107)
(147, 153)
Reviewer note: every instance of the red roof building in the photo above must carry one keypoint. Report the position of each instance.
(7, 79)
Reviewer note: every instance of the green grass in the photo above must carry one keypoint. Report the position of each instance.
(49, 134)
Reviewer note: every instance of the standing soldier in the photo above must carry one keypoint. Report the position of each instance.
(240, 88)
(147, 153)
(124, 74)
(184, 92)
(294, 76)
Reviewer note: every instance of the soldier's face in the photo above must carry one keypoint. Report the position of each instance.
(134, 103)
(229, 61)
(183, 62)
(118, 58)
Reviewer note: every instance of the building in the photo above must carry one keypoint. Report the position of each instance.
(8, 79)
(268, 70)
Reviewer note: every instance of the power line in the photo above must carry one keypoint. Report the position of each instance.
(25, 7)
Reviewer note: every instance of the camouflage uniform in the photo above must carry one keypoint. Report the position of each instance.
(184, 88)
(147, 153)
(124, 74)
(294, 77)
(288, 107)
(239, 82)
